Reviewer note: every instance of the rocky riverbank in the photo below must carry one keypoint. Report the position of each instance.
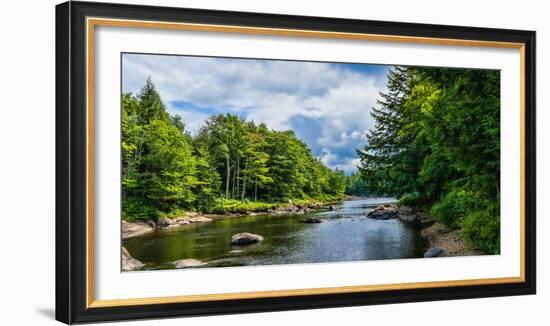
(133, 229)
(129, 263)
(137, 228)
(450, 241)
(300, 209)
(442, 240)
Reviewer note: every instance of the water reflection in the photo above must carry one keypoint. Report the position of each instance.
(346, 234)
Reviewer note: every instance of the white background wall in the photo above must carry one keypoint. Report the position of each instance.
(27, 161)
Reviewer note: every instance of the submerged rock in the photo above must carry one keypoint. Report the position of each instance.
(245, 238)
(311, 220)
(435, 252)
(129, 263)
(188, 263)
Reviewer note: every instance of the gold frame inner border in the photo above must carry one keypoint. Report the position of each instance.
(92, 22)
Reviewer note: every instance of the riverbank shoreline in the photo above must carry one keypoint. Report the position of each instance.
(442, 241)
(288, 239)
(181, 219)
(448, 240)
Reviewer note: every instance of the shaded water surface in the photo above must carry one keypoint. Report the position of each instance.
(346, 234)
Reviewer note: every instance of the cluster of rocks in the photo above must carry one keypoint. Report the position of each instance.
(187, 218)
(448, 240)
(133, 229)
(384, 212)
(442, 242)
(292, 209)
(404, 213)
(239, 239)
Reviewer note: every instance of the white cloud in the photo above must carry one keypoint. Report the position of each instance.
(334, 98)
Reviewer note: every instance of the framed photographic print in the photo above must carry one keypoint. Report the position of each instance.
(212, 162)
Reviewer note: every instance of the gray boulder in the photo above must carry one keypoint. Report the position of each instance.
(245, 238)
(435, 252)
(129, 263)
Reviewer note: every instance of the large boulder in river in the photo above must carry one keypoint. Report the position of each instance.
(311, 220)
(383, 212)
(129, 263)
(435, 252)
(245, 238)
(188, 263)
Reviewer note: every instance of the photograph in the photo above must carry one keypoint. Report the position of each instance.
(229, 161)
(215, 160)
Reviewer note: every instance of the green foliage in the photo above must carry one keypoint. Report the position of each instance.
(412, 199)
(158, 168)
(481, 230)
(436, 143)
(231, 165)
(455, 204)
(355, 185)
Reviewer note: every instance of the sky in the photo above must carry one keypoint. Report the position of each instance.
(326, 104)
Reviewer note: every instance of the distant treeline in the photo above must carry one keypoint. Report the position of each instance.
(436, 145)
(165, 169)
(356, 186)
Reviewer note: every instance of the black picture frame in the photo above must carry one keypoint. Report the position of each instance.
(71, 158)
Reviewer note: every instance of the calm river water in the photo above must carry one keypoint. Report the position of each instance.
(345, 235)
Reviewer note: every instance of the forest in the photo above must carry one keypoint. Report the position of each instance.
(230, 164)
(436, 145)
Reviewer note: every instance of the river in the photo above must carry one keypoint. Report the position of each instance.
(345, 234)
